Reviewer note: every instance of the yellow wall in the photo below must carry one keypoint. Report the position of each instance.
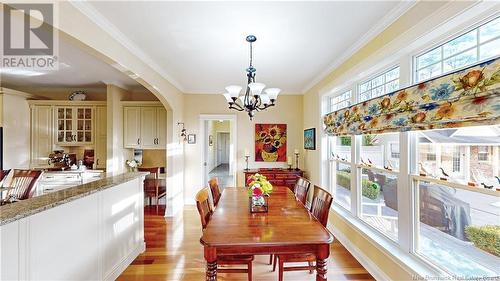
(287, 111)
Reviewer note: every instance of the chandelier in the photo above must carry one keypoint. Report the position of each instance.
(254, 99)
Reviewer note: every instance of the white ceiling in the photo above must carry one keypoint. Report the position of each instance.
(200, 46)
(77, 69)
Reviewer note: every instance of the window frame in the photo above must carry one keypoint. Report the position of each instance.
(339, 94)
(407, 192)
(384, 84)
(447, 40)
(487, 153)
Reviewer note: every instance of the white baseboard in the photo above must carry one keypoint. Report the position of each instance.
(121, 266)
(367, 263)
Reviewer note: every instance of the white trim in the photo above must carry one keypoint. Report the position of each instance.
(367, 263)
(8, 91)
(406, 261)
(96, 17)
(123, 264)
(233, 163)
(379, 27)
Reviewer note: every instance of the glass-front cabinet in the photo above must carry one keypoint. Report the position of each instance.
(74, 125)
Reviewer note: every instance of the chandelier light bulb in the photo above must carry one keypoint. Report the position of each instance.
(273, 93)
(265, 99)
(233, 90)
(228, 97)
(256, 88)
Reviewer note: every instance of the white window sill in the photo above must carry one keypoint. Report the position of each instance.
(416, 267)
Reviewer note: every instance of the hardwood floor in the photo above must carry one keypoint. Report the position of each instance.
(173, 252)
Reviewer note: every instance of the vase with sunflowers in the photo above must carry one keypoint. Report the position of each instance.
(259, 189)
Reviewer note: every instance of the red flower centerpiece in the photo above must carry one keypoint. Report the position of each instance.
(259, 189)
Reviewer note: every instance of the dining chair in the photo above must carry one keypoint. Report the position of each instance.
(205, 210)
(22, 185)
(322, 200)
(153, 171)
(153, 187)
(213, 183)
(301, 190)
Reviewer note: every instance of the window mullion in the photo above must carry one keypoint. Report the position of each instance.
(356, 177)
(404, 191)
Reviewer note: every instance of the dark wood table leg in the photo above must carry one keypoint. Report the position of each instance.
(321, 261)
(211, 258)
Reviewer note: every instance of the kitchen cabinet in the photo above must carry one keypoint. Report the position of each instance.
(144, 127)
(41, 135)
(56, 125)
(74, 125)
(100, 151)
(131, 127)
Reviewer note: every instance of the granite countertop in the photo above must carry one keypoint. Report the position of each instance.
(18, 210)
(69, 171)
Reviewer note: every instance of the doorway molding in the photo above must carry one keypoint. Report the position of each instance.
(232, 118)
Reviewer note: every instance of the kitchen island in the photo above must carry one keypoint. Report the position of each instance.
(91, 231)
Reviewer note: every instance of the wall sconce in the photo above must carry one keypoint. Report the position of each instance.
(183, 135)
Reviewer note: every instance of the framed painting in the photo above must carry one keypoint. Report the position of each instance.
(310, 139)
(270, 142)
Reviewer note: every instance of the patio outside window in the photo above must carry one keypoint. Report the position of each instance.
(340, 170)
(379, 177)
(456, 219)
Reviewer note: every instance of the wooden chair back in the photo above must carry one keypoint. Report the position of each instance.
(213, 183)
(23, 182)
(301, 189)
(154, 171)
(204, 207)
(322, 200)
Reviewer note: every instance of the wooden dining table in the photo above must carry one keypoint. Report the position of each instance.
(287, 228)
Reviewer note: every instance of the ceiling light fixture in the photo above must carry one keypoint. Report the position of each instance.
(254, 99)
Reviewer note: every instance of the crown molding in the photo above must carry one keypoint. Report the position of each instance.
(97, 18)
(12, 92)
(394, 14)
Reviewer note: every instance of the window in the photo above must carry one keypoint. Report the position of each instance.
(394, 150)
(380, 85)
(476, 45)
(456, 160)
(340, 170)
(482, 153)
(341, 101)
(431, 156)
(379, 178)
(452, 218)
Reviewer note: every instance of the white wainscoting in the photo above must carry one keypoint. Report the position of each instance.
(92, 238)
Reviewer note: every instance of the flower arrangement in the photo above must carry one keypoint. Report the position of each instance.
(133, 164)
(258, 187)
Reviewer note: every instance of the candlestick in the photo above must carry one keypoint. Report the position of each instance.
(247, 153)
(297, 159)
(289, 162)
(246, 160)
(296, 151)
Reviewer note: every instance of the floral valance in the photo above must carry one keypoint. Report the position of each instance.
(468, 97)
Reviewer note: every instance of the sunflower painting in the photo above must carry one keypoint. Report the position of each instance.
(270, 142)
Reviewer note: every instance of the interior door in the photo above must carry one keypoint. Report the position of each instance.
(223, 148)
